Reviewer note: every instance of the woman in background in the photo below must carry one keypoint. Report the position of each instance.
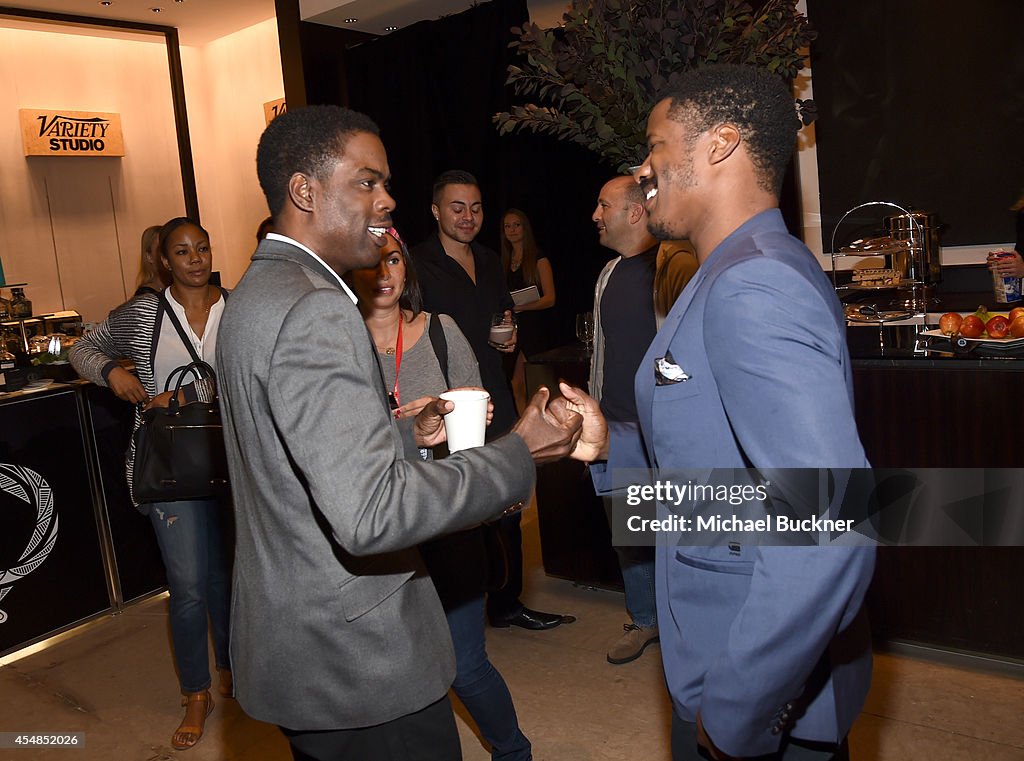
(189, 533)
(1013, 267)
(390, 301)
(152, 279)
(525, 265)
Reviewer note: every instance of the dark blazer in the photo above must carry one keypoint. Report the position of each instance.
(335, 623)
(448, 290)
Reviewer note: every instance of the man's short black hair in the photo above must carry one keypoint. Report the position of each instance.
(753, 99)
(452, 177)
(307, 140)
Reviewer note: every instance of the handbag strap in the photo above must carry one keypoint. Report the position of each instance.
(440, 345)
(169, 310)
(198, 370)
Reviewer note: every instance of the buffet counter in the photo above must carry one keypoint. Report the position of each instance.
(919, 404)
(73, 547)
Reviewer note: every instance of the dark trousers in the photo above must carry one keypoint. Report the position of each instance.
(685, 748)
(504, 603)
(480, 686)
(427, 735)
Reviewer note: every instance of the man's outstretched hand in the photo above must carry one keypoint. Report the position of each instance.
(593, 441)
(549, 434)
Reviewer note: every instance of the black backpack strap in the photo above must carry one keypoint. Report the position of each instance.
(440, 344)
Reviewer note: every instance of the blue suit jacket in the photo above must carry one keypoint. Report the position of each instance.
(762, 640)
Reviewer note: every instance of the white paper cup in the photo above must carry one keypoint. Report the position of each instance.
(466, 425)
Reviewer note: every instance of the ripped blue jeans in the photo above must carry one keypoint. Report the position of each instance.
(192, 547)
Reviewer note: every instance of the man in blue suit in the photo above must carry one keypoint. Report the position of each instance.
(765, 648)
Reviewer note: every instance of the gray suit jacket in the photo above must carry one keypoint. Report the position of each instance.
(335, 623)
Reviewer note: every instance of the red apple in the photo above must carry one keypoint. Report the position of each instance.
(1015, 313)
(1017, 326)
(972, 327)
(997, 327)
(949, 323)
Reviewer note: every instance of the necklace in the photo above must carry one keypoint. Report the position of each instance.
(390, 350)
(207, 304)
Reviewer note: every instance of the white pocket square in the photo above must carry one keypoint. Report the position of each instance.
(666, 371)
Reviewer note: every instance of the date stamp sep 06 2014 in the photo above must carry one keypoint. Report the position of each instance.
(14, 740)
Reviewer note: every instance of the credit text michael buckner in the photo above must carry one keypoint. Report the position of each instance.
(734, 525)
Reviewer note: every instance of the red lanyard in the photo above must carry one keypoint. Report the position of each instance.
(398, 365)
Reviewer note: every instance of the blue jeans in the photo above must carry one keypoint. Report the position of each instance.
(637, 564)
(479, 685)
(192, 547)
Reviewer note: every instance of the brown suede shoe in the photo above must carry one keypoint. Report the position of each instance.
(632, 643)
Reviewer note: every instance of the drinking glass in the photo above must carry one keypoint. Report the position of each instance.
(502, 327)
(585, 328)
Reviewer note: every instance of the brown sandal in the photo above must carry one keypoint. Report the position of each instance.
(198, 705)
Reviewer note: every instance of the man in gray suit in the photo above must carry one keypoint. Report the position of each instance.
(765, 647)
(337, 633)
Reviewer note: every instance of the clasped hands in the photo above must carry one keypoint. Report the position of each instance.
(570, 425)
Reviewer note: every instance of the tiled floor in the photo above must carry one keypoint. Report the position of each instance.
(115, 682)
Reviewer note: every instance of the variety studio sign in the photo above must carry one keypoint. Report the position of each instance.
(71, 133)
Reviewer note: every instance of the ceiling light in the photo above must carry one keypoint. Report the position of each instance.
(156, 10)
(106, 3)
(351, 20)
(390, 28)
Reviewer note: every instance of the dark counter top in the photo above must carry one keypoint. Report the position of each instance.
(37, 389)
(903, 346)
(870, 346)
(570, 353)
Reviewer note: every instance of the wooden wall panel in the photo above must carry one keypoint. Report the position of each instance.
(70, 227)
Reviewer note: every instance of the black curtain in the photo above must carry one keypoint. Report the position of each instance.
(433, 88)
(920, 103)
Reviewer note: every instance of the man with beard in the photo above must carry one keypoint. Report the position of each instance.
(338, 636)
(463, 279)
(765, 647)
(633, 293)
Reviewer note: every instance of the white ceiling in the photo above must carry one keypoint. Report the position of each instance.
(200, 21)
(197, 21)
(375, 16)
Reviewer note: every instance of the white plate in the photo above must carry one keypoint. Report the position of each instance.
(936, 333)
(879, 287)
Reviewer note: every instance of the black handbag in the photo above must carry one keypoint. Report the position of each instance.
(179, 449)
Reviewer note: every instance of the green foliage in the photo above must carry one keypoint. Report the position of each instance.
(596, 79)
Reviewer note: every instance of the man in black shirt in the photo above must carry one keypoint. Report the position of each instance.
(463, 279)
(634, 291)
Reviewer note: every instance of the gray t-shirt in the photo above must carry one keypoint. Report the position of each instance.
(421, 373)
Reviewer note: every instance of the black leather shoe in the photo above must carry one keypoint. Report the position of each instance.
(530, 619)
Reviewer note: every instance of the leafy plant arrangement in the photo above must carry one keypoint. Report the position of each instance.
(595, 79)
